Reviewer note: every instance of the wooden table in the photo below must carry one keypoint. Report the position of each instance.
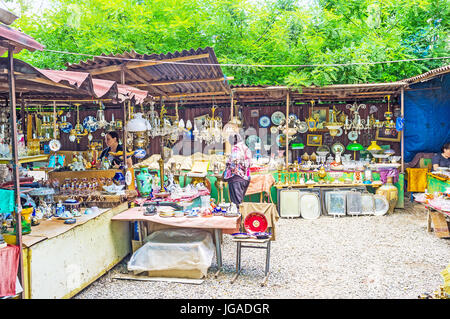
(439, 219)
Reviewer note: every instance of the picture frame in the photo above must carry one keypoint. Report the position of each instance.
(389, 135)
(321, 115)
(313, 140)
(254, 113)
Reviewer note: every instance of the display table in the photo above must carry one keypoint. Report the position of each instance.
(261, 184)
(436, 183)
(61, 259)
(218, 224)
(439, 219)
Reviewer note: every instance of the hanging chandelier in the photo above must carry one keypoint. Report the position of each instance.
(78, 131)
(333, 125)
(356, 123)
(209, 130)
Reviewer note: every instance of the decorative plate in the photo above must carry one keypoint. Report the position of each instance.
(264, 121)
(337, 147)
(251, 141)
(303, 127)
(352, 135)
(340, 131)
(67, 127)
(140, 153)
(274, 130)
(381, 205)
(255, 223)
(277, 117)
(54, 145)
(241, 235)
(90, 123)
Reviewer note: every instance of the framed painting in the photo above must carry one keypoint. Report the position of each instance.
(388, 134)
(313, 140)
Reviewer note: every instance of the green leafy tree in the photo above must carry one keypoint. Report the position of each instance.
(275, 32)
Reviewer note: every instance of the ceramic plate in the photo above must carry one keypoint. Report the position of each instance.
(277, 117)
(264, 121)
(352, 135)
(241, 235)
(54, 145)
(255, 222)
(90, 123)
(337, 147)
(303, 127)
(274, 130)
(251, 141)
(381, 205)
(67, 127)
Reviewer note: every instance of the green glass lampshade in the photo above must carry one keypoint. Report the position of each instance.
(297, 146)
(354, 147)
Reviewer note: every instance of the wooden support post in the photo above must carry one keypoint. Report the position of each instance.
(287, 131)
(15, 156)
(402, 112)
(124, 126)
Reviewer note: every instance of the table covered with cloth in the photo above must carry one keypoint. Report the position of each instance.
(9, 264)
(268, 209)
(260, 183)
(214, 222)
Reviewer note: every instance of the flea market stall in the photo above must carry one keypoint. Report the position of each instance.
(66, 199)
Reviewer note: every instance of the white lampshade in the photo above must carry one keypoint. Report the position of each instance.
(138, 124)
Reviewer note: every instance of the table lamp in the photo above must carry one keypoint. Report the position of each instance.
(354, 147)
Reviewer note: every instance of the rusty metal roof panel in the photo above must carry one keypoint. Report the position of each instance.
(179, 72)
(18, 39)
(429, 75)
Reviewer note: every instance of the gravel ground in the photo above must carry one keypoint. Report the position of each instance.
(374, 257)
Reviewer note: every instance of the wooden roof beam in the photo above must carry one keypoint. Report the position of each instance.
(183, 81)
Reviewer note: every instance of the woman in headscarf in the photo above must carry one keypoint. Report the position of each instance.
(237, 171)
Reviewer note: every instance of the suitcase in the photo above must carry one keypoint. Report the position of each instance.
(289, 202)
(310, 207)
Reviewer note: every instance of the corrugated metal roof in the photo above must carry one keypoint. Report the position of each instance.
(18, 39)
(171, 74)
(428, 75)
(32, 81)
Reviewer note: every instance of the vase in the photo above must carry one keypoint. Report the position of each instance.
(389, 191)
(144, 182)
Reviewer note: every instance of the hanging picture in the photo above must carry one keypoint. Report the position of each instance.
(388, 134)
(254, 113)
(321, 115)
(313, 140)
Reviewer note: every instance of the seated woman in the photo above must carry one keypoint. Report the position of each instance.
(113, 146)
(442, 159)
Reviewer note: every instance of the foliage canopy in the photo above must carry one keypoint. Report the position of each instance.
(274, 32)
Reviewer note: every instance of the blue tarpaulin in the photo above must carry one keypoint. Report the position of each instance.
(427, 116)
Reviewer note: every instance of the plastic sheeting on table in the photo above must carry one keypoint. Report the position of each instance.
(174, 249)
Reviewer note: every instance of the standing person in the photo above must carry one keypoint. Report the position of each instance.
(442, 159)
(113, 146)
(237, 170)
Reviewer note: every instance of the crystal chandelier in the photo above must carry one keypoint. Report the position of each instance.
(209, 130)
(356, 123)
